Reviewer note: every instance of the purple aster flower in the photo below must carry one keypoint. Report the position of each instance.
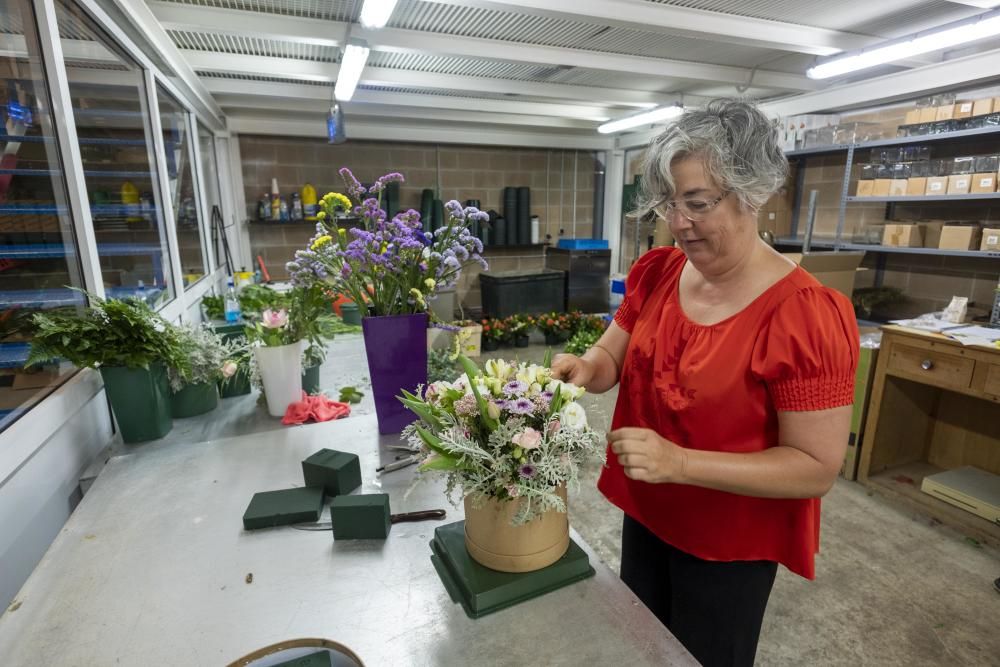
(515, 388)
(522, 406)
(527, 471)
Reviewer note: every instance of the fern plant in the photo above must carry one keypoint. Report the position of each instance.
(107, 333)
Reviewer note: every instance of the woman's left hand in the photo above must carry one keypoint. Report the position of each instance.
(647, 457)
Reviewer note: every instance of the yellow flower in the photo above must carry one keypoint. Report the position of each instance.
(336, 199)
(321, 215)
(417, 296)
(321, 241)
(342, 231)
(430, 283)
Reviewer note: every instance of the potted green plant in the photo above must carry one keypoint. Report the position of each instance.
(131, 346)
(520, 327)
(557, 327)
(311, 316)
(195, 387)
(277, 350)
(494, 334)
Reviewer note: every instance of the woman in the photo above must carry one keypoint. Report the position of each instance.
(736, 373)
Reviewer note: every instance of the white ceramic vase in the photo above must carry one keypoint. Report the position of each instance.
(281, 372)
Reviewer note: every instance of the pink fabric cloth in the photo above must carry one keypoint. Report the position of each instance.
(316, 408)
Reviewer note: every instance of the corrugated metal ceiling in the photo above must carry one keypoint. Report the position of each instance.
(331, 10)
(254, 46)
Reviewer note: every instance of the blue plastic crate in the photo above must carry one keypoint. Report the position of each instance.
(583, 244)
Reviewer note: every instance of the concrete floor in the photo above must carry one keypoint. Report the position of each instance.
(892, 588)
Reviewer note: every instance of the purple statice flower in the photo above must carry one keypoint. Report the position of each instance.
(527, 471)
(353, 185)
(382, 182)
(455, 210)
(445, 327)
(515, 388)
(521, 406)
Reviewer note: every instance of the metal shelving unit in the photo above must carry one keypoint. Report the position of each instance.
(924, 198)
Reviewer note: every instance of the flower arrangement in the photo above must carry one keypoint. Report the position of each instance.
(393, 266)
(507, 432)
(496, 330)
(520, 325)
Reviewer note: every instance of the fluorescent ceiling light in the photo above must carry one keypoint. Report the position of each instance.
(351, 65)
(645, 118)
(985, 26)
(376, 13)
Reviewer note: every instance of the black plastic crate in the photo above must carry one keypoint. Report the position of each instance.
(507, 293)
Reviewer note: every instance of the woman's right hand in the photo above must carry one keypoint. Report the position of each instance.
(571, 368)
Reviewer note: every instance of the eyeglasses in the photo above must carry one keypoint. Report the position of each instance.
(694, 210)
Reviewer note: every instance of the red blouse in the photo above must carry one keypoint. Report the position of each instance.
(720, 388)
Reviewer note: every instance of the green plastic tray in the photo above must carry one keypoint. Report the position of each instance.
(482, 591)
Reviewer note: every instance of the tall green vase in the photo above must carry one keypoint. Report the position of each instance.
(310, 380)
(194, 400)
(140, 401)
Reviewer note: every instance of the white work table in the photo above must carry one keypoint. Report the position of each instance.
(151, 570)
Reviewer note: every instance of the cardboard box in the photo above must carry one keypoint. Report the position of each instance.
(959, 237)
(931, 231)
(963, 109)
(991, 239)
(936, 185)
(982, 107)
(916, 186)
(913, 117)
(984, 182)
(959, 184)
(928, 114)
(882, 186)
(897, 187)
(836, 270)
(859, 413)
(945, 112)
(898, 235)
(866, 188)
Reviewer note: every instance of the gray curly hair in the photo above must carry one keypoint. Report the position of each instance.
(740, 147)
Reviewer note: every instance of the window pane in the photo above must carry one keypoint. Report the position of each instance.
(213, 197)
(38, 250)
(112, 122)
(180, 182)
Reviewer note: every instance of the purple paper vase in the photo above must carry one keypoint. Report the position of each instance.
(396, 346)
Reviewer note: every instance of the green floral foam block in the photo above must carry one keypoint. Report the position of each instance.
(338, 473)
(280, 508)
(362, 517)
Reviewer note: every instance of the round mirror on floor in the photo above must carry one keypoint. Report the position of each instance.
(309, 652)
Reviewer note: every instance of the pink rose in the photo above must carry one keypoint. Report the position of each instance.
(274, 320)
(229, 369)
(529, 438)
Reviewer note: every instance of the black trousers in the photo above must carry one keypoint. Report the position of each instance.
(714, 608)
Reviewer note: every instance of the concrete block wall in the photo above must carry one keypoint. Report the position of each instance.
(561, 181)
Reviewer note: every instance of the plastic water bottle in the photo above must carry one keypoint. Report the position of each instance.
(232, 303)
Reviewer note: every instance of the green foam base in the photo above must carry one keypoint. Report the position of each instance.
(482, 591)
(280, 508)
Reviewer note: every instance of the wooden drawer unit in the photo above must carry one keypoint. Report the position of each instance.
(992, 385)
(937, 367)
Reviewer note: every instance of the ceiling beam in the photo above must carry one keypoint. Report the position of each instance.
(668, 19)
(285, 28)
(403, 131)
(299, 91)
(237, 104)
(970, 70)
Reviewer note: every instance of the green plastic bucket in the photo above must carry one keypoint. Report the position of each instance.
(350, 313)
(194, 400)
(140, 401)
(238, 385)
(310, 380)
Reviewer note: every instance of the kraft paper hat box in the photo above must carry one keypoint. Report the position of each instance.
(959, 237)
(931, 231)
(883, 180)
(899, 235)
(960, 178)
(337, 473)
(900, 176)
(866, 181)
(984, 178)
(832, 269)
(963, 109)
(971, 489)
(982, 106)
(991, 239)
(361, 517)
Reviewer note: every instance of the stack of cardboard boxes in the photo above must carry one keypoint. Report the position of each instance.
(942, 235)
(917, 177)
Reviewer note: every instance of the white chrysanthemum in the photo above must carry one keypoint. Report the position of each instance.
(573, 416)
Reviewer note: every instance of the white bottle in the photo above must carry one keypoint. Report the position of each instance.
(535, 240)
